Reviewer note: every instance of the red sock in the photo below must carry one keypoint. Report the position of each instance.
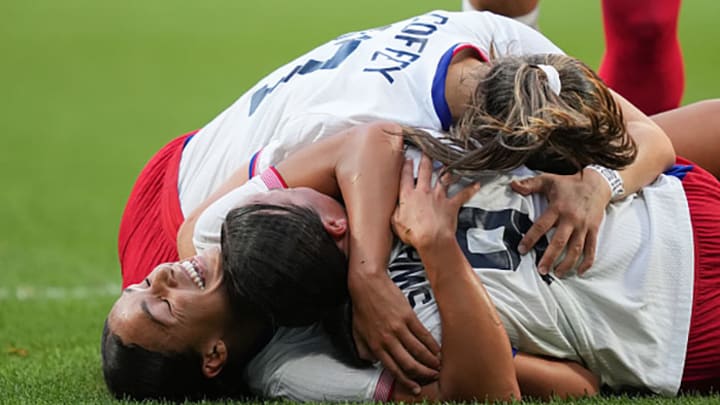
(642, 60)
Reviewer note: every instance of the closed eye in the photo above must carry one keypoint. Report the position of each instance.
(168, 304)
(147, 281)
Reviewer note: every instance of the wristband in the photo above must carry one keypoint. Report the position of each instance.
(617, 188)
(272, 178)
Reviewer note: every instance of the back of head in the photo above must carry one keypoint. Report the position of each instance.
(282, 260)
(549, 112)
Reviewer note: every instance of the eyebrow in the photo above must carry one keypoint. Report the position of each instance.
(146, 310)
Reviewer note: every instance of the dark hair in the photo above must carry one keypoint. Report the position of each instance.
(338, 326)
(278, 263)
(281, 259)
(515, 118)
(133, 372)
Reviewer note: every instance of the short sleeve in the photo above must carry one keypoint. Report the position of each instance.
(301, 364)
(207, 228)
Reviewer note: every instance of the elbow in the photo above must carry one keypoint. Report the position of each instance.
(664, 146)
(384, 132)
(671, 155)
(666, 151)
(652, 143)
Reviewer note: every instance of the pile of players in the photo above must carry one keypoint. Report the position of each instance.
(551, 244)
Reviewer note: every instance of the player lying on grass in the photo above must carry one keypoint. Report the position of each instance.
(212, 352)
(421, 72)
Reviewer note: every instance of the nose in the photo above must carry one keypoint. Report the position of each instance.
(165, 278)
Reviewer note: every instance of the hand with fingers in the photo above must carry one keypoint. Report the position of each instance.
(386, 329)
(576, 208)
(425, 214)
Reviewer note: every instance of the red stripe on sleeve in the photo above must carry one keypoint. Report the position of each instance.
(384, 387)
(272, 178)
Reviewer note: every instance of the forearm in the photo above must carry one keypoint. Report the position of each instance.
(368, 179)
(315, 166)
(655, 155)
(655, 151)
(546, 378)
(477, 361)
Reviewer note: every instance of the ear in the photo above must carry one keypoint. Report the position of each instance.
(336, 226)
(214, 359)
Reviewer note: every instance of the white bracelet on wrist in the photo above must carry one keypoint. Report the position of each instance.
(617, 187)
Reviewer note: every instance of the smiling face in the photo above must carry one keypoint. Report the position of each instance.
(184, 305)
(179, 306)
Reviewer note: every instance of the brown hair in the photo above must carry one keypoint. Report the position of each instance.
(515, 118)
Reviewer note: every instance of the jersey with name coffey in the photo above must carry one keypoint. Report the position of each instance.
(394, 73)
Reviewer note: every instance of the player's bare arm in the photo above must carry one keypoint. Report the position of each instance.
(577, 202)
(694, 130)
(474, 341)
(364, 168)
(545, 378)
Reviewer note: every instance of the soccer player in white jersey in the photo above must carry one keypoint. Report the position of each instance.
(423, 71)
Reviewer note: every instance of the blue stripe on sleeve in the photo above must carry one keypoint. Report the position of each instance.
(678, 171)
(251, 167)
(188, 140)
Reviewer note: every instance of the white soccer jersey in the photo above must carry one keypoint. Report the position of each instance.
(395, 73)
(627, 319)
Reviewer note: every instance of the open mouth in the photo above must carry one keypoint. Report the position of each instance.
(194, 271)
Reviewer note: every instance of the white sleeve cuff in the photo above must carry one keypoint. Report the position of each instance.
(209, 224)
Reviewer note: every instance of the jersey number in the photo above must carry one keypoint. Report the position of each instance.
(488, 239)
(346, 47)
(478, 224)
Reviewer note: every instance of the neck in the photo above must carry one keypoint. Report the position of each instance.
(463, 77)
(249, 338)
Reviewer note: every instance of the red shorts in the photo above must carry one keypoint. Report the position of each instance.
(152, 217)
(702, 363)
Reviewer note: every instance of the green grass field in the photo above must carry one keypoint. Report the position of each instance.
(89, 90)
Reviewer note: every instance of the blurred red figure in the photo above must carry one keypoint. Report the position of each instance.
(642, 60)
